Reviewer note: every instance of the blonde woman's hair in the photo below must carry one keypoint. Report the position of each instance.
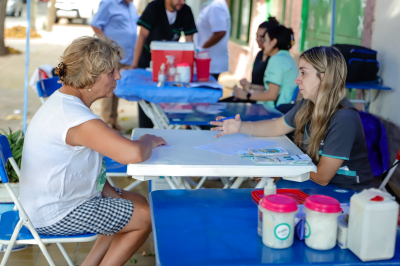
(330, 62)
(85, 59)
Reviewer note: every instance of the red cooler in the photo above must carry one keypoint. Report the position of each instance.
(183, 53)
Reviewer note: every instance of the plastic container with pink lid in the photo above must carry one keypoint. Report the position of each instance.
(322, 214)
(278, 220)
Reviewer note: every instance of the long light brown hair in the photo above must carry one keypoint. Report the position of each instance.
(330, 62)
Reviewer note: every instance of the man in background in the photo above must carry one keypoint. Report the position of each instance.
(214, 26)
(116, 20)
(161, 20)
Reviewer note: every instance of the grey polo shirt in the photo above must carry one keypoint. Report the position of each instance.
(344, 140)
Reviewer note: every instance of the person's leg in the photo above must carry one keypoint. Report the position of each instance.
(109, 108)
(118, 248)
(106, 107)
(114, 112)
(144, 121)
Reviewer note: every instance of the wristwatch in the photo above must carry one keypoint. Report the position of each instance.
(248, 96)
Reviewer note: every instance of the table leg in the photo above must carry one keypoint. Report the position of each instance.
(170, 182)
(194, 127)
(238, 182)
(148, 110)
(177, 181)
(133, 185)
(263, 182)
(227, 183)
(201, 182)
(185, 183)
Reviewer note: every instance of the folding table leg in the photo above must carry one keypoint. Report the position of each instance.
(110, 181)
(226, 182)
(177, 181)
(263, 182)
(238, 182)
(186, 183)
(201, 182)
(170, 182)
(133, 185)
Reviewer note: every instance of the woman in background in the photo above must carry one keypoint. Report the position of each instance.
(260, 62)
(278, 87)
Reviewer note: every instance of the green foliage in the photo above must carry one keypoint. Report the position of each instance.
(16, 141)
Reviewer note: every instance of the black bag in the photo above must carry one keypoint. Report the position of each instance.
(361, 62)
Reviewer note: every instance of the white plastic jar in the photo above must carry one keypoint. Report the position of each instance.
(278, 212)
(184, 72)
(322, 214)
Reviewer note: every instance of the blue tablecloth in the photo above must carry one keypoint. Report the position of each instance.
(137, 84)
(202, 113)
(219, 227)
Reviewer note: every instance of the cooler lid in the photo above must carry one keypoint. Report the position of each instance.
(172, 46)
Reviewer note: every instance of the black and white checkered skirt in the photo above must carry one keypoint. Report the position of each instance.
(104, 216)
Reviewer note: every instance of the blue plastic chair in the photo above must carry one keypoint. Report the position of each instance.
(15, 226)
(47, 87)
(286, 107)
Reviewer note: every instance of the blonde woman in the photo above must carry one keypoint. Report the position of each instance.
(326, 125)
(63, 185)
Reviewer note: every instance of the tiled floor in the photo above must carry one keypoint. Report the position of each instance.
(32, 256)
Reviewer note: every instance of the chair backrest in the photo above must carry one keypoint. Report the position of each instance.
(375, 136)
(5, 153)
(47, 87)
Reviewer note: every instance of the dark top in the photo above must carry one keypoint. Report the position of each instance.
(154, 18)
(344, 140)
(257, 75)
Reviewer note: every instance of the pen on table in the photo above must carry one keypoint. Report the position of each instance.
(226, 118)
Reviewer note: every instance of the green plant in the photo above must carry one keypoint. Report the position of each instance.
(16, 141)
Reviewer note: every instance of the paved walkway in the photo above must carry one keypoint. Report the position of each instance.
(46, 50)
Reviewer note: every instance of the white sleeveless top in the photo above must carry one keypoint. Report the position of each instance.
(56, 177)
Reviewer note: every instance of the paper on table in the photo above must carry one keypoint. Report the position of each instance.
(229, 147)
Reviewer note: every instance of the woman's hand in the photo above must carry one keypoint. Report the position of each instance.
(239, 93)
(243, 82)
(245, 85)
(153, 140)
(229, 126)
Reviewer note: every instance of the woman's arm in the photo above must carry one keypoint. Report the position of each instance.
(326, 169)
(259, 93)
(214, 39)
(96, 135)
(143, 34)
(265, 128)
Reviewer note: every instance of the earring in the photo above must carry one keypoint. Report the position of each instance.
(90, 89)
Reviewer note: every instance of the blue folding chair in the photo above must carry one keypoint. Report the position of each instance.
(47, 87)
(286, 107)
(15, 226)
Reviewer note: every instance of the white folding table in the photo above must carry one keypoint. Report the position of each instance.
(183, 160)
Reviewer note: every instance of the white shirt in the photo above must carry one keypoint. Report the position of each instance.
(56, 177)
(171, 16)
(214, 17)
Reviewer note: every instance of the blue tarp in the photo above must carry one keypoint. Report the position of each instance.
(137, 84)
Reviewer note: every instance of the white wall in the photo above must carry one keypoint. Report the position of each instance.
(386, 40)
